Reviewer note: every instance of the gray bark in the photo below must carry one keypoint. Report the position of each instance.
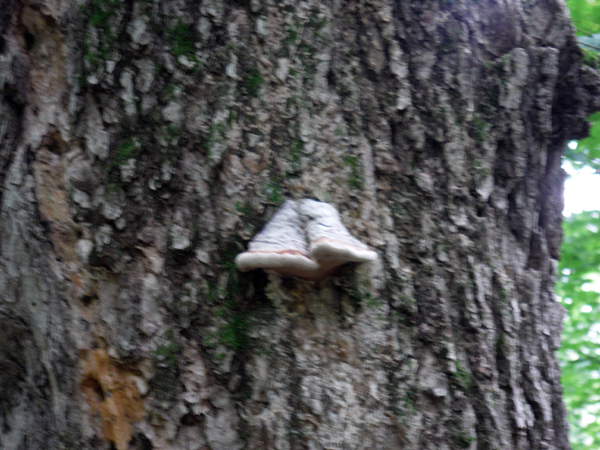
(144, 143)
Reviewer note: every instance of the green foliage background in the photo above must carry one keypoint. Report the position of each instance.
(586, 18)
(580, 352)
(579, 281)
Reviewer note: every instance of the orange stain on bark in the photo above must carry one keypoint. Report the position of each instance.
(112, 393)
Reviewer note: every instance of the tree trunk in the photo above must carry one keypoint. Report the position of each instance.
(145, 142)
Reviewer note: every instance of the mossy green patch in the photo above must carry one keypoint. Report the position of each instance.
(173, 132)
(125, 151)
(207, 141)
(355, 179)
(360, 297)
(296, 150)
(461, 379)
(292, 36)
(167, 354)
(273, 191)
(68, 441)
(232, 324)
(254, 81)
(227, 254)
(306, 53)
(316, 22)
(357, 290)
(461, 440)
(501, 343)
(502, 294)
(182, 41)
(231, 117)
(128, 148)
(410, 399)
(172, 90)
(214, 294)
(243, 208)
(221, 130)
(295, 158)
(97, 14)
(235, 332)
(166, 364)
(479, 127)
(482, 171)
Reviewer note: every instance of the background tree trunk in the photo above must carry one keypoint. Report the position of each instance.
(143, 143)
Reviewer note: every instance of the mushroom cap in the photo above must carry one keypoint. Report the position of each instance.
(329, 239)
(326, 249)
(280, 246)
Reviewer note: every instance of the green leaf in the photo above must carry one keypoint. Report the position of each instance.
(578, 282)
(585, 15)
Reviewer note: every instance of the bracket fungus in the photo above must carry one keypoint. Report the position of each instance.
(304, 239)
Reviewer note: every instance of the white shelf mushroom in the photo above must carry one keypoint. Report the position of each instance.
(305, 239)
(280, 246)
(330, 242)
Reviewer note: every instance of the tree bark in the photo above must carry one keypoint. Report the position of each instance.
(143, 144)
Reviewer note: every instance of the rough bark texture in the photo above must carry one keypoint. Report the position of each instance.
(143, 143)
